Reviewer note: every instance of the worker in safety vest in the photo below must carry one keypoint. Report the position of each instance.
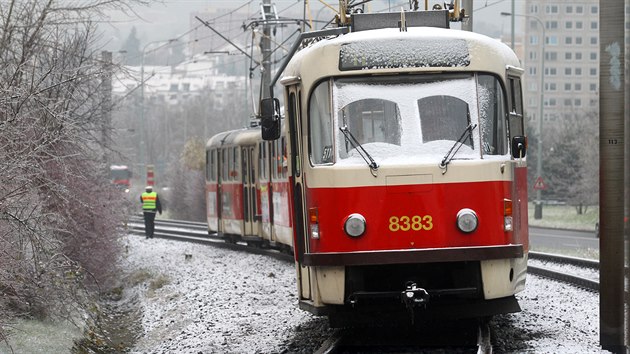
(150, 205)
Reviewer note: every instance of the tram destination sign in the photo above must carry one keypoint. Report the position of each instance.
(403, 53)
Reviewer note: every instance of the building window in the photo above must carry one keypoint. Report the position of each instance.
(592, 87)
(593, 55)
(531, 102)
(567, 87)
(579, 25)
(551, 56)
(568, 25)
(551, 9)
(579, 9)
(173, 88)
(569, 9)
(533, 40)
(577, 87)
(532, 71)
(578, 40)
(567, 71)
(532, 86)
(593, 71)
(533, 9)
(594, 40)
(594, 9)
(594, 25)
(551, 25)
(567, 102)
(551, 86)
(577, 102)
(552, 40)
(568, 55)
(578, 55)
(568, 40)
(533, 55)
(578, 72)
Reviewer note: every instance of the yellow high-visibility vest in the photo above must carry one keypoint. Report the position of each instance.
(149, 201)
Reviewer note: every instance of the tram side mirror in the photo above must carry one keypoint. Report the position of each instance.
(519, 146)
(270, 118)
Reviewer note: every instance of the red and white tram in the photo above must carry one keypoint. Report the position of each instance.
(406, 169)
(247, 188)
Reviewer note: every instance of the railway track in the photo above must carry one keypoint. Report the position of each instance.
(198, 232)
(469, 337)
(191, 231)
(342, 340)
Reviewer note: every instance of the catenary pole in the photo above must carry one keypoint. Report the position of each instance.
(467, 23)
(611, 176)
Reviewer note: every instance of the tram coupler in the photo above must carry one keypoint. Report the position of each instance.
(413, 296)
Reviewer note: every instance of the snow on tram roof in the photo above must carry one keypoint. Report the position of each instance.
(245, 135)
(414, 49)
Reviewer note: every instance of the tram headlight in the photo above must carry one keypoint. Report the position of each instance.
(354, 226)
(467, 220)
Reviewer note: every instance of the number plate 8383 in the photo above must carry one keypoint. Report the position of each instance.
(410, 223)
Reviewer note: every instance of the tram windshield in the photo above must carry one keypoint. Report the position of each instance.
(408, 119)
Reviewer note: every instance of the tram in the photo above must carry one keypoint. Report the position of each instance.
(406, 168)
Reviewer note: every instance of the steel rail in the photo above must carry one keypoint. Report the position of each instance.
(579, 262)
(191, 231)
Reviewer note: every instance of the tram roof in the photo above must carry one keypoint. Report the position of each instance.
(389, 49)
(245, 136)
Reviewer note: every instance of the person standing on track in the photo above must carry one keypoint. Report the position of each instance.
(150, 205)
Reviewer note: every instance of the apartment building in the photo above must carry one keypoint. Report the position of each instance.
(567, 32)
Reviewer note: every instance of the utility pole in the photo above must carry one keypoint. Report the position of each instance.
(513, 21)
(106, 105)
(467, 23)
(268, 16)
(611, 183)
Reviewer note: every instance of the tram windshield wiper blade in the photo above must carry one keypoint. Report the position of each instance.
(458, 144)
(357, 145)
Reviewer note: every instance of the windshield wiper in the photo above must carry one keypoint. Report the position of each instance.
(357, 145)
(459, 143)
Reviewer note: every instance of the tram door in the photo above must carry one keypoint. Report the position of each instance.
(221, 177)
(213, 195)
(297, 187)
(249, 191)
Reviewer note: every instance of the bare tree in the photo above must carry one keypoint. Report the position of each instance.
(58, 213)
(570, 160)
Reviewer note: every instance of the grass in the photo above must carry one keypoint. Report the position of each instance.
(33, 337)
(565, 217)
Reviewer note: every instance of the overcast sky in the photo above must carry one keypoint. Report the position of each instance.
(166, 19)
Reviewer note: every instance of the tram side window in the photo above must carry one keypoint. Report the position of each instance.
(443, 118)
(320, 125)
(244, 167)
(234, 164)
(516, 106)
(283, 158)
(492, 105)
(252, 168)
(211, 165)
(224, 165)
(274, 158)
(230, 176)
(208, 166)
(371, 120)
(262, 158)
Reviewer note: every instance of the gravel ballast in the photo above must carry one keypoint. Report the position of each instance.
(201, 299)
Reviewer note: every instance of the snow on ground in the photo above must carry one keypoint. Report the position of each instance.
(216, 300)
(222, 301)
